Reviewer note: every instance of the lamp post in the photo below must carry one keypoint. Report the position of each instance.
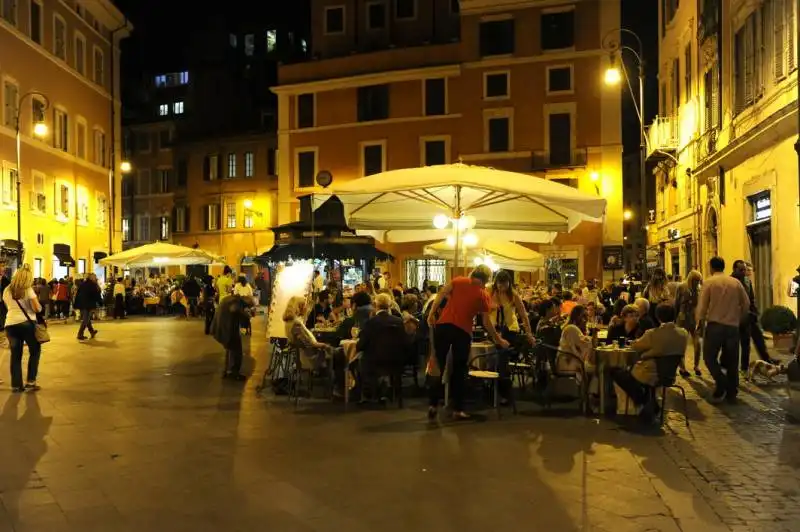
(39, 130)
(612, 42)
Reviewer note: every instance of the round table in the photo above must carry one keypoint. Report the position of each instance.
(612, 357)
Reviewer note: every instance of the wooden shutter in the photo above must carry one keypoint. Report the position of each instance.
(186, 219)
(206, 169)
(715, 109)
(789, 22)
(205, 217)
(219, 167)
(749, 60)
(173, 220)
(779, 39)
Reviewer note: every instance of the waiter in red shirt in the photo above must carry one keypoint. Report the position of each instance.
(466, 298)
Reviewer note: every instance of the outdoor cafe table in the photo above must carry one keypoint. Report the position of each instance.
(611, 357)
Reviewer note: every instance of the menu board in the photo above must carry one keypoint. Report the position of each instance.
(289, 281)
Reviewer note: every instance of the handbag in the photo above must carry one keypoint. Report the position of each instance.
(39, 331)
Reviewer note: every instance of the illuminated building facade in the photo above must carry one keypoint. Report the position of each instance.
(516, 85)
(60, 69)
(727, 175)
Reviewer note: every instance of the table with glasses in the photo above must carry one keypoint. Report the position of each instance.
(609, 357)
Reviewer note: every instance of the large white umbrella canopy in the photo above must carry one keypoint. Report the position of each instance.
(505, 254)
(431, 235)
(410, 198)
(160, 254)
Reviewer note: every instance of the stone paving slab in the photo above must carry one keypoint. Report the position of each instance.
(136, 431)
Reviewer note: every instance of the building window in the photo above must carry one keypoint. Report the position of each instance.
(306, 168)
(434, 151)
(248, 220)
(180, 219)
(231, 165)
(435, 96)
(163, 223)
(164, 139)
(37, 112)
(376, 15)
(80, 141)
(160, 80)
(373, 158)
(183, 77)
(334, 20)
(248, 164)
(183, 173)
(163, 109)
(747, 58)
(80, 53)
(559, 79)
(405, 9)
(99, 67)
(81, 266)
(59, 38)
(37, 268)
(10, 103)
(373, 103)
(9, 12)
(711, 112)
(36, 22)
(687, 76)
(143, 229)
(126, 229)
(62, 201)
(230, 210)
(38, 197)
(127, 187)
(99, 148)
(497, 37)
(558, 30)
(83, 208)
(272, 40)
(102, 211)
(143, 142)
(271, 161)
(163, 180)
(212, 217)
(143, 182)
(305, 110)
(560, 138)
(177, 107)
(249, 44)
(233, 40)
(8, 182)
(211, 168)
(496, 85)
(60, 130)
(499, 134)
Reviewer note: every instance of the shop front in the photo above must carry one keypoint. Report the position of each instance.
(759, 232)
(11, 252)
(62, 261)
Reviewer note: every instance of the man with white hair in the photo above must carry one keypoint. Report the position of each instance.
(383, 342)
(466, 298)
(645, 321)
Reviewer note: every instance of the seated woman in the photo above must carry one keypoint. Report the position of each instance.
(575, 341)
(179, 303)
(314, 355)
(625, 327)
(665, 340)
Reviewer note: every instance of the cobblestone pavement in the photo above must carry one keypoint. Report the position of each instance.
(136, 431)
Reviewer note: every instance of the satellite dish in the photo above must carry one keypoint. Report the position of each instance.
(324, 178)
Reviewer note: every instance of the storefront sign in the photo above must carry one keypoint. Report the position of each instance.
(762, 207)
(612, 258)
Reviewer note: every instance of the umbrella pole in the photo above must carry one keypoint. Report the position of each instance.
(455, 229)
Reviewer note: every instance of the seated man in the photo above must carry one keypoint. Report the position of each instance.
(665, 340)
(383, 343)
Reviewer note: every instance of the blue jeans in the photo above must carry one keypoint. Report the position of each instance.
(19, 335)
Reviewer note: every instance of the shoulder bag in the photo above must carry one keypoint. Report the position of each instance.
(40, 331)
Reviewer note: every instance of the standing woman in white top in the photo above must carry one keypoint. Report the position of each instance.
(22, 305)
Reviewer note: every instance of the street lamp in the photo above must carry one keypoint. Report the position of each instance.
(125, 167)
(39, 130)
(627, 215)
(612, 42)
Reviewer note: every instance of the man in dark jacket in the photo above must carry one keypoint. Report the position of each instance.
(750, 327)
(191, 289)
(226, 330)
(87, 299)
(383, 342)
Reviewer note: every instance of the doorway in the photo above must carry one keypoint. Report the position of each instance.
(761, 252)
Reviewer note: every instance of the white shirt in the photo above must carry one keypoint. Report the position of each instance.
(243, 291)
(15, 316)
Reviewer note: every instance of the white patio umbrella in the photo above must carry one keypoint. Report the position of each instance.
(160, 254)
(430, 235)
(503, 253)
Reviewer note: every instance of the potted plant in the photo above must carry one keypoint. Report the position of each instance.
(781, 322)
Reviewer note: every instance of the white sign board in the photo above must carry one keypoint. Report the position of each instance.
(290, 281)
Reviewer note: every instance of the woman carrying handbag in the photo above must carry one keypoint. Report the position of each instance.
(21, 329)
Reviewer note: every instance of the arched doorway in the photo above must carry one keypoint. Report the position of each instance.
(711, 241)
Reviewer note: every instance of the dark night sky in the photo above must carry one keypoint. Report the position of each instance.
(160, 41)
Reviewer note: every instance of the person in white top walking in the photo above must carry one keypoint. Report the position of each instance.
(23, 305)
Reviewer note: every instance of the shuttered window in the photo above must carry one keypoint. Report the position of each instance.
(747, 63)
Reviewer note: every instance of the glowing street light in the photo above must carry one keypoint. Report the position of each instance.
(40, 129)
(627, 215)
(248, 204)
(125, 167)
(613, 75)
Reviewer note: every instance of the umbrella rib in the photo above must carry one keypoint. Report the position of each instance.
(485, 197)
(366, 203)
(537, 202)
(495, 201)
(433, 200)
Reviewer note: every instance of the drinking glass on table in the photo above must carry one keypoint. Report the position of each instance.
(354, 332)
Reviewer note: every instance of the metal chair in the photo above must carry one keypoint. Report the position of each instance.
(552, 354)
(495, 377)
(279, 363)
(667, 368)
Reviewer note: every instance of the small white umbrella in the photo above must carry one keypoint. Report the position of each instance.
(160, 254)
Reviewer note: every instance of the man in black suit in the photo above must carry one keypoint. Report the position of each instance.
(750, 327)
(383, 342)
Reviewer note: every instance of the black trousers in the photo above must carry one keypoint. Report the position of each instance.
(721, 350)
(234, 355)
(751, 329)
(635, 389)
(119, 306)
(86, 321)
(447, 337)
(208, 309)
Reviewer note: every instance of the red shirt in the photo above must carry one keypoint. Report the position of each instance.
(465, 301)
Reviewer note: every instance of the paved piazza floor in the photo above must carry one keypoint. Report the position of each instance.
(136, 431)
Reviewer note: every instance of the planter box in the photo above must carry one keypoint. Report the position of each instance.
(783, 342)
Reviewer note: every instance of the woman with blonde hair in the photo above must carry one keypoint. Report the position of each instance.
(686, 297)
(313, 354)
(23, 305)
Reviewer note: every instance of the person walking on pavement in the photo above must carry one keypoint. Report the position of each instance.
(209, 294)
(87, 299)
(119, 299)
(722, 307)
(750, 328)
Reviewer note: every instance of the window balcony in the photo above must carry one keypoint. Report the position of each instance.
(559, 159)
(662, 138)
